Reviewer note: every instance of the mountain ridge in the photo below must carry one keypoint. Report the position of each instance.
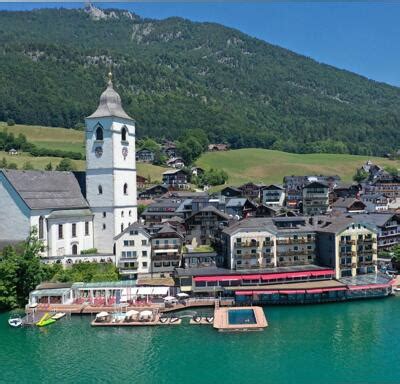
(175, 74)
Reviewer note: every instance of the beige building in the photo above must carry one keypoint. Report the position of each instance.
(348, 245)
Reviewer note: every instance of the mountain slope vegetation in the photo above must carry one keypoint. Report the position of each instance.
(175, 75)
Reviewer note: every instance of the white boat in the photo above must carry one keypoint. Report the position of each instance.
(15, 321)
(58, 316)
(396, 291)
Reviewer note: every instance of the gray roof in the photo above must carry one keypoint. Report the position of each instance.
(110, 105)
(236, 202)
(135, 226)
(64, 213)
(346, 202)
(47, 190)
(211, 208)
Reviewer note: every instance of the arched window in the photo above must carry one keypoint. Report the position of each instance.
(41, 227)
(130, 213)
(125, 189)
(122, 227)
(122, 213)
(100, 188)
(74, 249)
(99, 133)
(123, 133)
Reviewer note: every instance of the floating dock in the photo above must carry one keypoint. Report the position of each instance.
(254, 320)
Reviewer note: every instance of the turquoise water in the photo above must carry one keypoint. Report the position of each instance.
(355, 342)
(241, 316)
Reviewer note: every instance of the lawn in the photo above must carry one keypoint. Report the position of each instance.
(38, 162)
(48, 137)
(267, 166)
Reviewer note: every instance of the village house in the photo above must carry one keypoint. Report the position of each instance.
(145, 155)
(386, 185)
(166, 246)
(273, 195)
(231, 192)
(197, 171)
(13, 152)
(203, 224)
(377, 202)
(175, 178)
(175, 162)
(315, 198)
(348, 205)
(240, 207)
(169, 148)
(153, 192)
(141, 182)
(218, 147)
(251, 190)
(160, 211)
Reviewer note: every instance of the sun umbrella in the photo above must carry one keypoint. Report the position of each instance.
(102, 314)
(169, 298)
(131, 313)
(146, 313)
(182, 294)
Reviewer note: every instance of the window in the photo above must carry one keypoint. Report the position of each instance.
(104, 226)
(41, 227)
(60, 231)
(100, 189)
(73, 230)
(123, 134)
(130, 213)
(122, 227)
(144, 242)
(144, 253)
(144, 264)
(125, 189)
(99, 133)
(86, 228)
(74, 249)
(132, 243)
(104, 214)
(122, 213)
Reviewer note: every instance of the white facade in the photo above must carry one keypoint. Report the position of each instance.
(110, 170)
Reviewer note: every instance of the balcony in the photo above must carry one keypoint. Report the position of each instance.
(166, 257)
(369, 240)
(267, 243)
(296, 241)
(296, 262)
(165, 246)
(300, 252)
(347, 242)
(247, 244)
(350, 253)
(247, 256)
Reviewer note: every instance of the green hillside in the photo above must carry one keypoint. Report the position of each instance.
(266, 166)
(174, 75)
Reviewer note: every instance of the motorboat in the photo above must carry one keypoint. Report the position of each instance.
(15, 321)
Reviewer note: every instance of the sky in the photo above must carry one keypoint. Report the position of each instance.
(360, 36)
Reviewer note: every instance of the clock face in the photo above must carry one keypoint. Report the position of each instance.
(98, 151)
(125, 152)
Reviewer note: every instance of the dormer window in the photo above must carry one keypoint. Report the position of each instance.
(99, 134)
(123, 133)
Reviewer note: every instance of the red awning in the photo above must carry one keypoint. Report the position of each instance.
(314, 290)
(322, 273)
(371, 286)
(217, 278)
(250, 277)
(299, 274)
(243, 293)
(288, 292)
(272, 276)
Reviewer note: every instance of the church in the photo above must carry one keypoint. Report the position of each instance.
(78, 214)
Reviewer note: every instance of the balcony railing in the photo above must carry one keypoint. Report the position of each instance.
(296, 262)
(247, 244)
(347, 242)
(371, 240)
(165, 257)
(304, 252)
(247, 256)
(296, 241)
(349, 253)
(267, 243)
(165, 246)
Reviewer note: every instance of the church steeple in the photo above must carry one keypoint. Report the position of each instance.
(110, 104)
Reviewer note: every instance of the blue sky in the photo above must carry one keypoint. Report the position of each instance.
(363, 37)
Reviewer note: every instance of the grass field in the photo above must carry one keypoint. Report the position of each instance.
(242, 165)
(267, 166)
(47, 137)
(38, 162)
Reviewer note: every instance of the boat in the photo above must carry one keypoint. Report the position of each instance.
(58, 316)
(15, 321)
(45, 320)
(396, 291)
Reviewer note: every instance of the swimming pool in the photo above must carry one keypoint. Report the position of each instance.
(241, 316)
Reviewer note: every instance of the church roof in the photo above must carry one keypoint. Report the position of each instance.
(47, 190)
(110, 104)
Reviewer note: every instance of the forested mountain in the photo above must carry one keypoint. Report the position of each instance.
(175, 74)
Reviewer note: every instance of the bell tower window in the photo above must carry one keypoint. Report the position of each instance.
(125, 189)
(99, 133)
(123, 134)
(100, 189)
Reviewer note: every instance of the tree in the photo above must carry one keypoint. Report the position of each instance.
(360, 175)
(213, 177)
(10, 122)
(3, 163)
(8, 278)
(49, 167)
(392, 170)
(66, 165)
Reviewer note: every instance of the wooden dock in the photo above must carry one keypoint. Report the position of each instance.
(221, 320)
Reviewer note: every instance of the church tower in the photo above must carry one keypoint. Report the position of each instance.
(110, 169)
